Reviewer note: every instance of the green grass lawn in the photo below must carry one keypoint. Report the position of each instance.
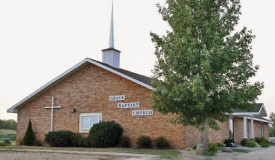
(167, 154)
(8, 134)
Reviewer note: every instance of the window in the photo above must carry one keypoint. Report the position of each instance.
(87, 120)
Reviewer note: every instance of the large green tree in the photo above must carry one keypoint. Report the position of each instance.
(203, 65)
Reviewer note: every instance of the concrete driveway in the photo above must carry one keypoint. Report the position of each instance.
(264, 154)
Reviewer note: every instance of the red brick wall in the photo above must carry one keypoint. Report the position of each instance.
(238, 129)
(266, 131)
(88, 91)
(195, 136)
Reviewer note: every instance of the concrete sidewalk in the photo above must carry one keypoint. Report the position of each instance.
(89, 155)
(264, 154)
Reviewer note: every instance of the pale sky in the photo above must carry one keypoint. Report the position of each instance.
(40, 40)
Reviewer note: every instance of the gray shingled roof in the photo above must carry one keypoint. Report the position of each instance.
(139, 77)
(257, 108)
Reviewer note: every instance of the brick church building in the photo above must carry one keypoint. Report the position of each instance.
(93, 91)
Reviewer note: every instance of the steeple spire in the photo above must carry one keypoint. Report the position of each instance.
(111, 56)
(111, 40)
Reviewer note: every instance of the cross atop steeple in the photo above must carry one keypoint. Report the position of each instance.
(111, 56)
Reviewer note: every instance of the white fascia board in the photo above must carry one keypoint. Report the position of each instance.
(14, 108)
(121, 74)
(260, 120)
(244, 113)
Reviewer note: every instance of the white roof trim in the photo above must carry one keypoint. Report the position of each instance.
(14, 108)
(260, 120)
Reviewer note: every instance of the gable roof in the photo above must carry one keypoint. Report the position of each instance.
(134, 77)
(258, 110)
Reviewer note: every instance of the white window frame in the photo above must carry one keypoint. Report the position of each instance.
(81, 130)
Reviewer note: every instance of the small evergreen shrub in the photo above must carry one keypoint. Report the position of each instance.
(261, 140)
(213, 148)
(59, 138)
(124, 142)
(221, 144)
(37, 143)
(243, 141)
(195, 147)
(105, 134)
(144, 142)
(161, 143)
(78, 140)
(265, 144)
(226, 141)
(250, 143)
(29, 137)
(8, 142)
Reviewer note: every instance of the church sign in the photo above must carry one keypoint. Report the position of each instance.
(142, 112)
(128, 105)
(117, 98)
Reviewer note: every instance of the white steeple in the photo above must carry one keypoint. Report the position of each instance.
(111, 40)
(110, 55)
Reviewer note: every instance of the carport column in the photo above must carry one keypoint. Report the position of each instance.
(244, 127)
(231, 127)
(252, 128)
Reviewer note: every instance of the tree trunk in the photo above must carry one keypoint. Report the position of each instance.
(206, 138)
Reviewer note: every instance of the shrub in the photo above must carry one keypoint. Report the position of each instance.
(29, 137)
(188, 149)
(124, 141)
(105, 134)
(161, 143)
(250, 143)
(265, 144)
(78, 140)
(220, 144)
(260, 140)
(226, 141)
(59, 138)
(213, 148)
(195, 147)
(144, 142)
(8, 142)
(243, 141)
(37, 143)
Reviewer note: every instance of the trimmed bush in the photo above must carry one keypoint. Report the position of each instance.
(250, 143)
(78, 140)
(124, 141)
(221, 144)
(7, 141)
(59, 138)
(105, 134)
(213, 148)
(261, 140)
(144, 142)
(265, 144)
(29, 137)
(226, 141)
(161, 143)
(37, 143)
(243, 141)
